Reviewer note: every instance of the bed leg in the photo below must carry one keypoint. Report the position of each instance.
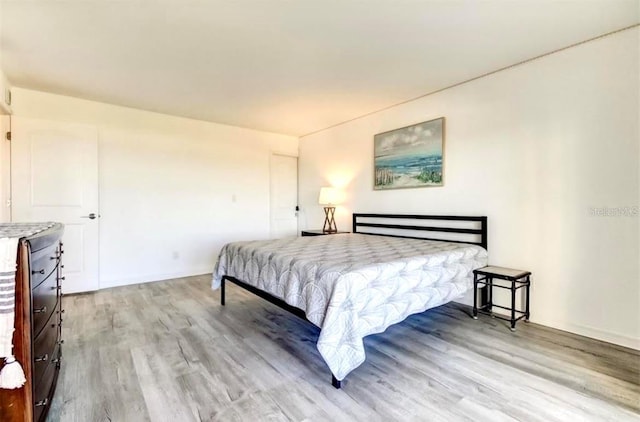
(222, 292)
(335, 382)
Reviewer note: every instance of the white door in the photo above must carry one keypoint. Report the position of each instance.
(54, 177)
(5, 171)
(284, 196)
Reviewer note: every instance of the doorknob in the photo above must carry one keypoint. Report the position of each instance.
(91, 216)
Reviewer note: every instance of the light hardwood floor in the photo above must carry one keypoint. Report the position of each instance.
(168, 351)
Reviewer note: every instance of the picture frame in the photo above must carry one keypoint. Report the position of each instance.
(410, 157)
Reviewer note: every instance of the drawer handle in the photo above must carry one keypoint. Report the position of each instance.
(42, 358)
(57, 360)
(60, 342)
(42, 403)
(38, 272)
(62, 278)
(40, 310)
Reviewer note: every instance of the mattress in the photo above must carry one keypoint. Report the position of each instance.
(353, 285)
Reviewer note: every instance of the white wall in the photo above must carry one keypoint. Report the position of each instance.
(5, 109)
(166, 185)
(534, 148)
(5, 94)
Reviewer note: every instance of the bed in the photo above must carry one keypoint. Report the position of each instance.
(357, 284)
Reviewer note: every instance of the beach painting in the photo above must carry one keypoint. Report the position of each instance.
(410, 157)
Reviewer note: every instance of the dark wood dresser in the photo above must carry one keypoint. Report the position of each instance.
(37, 337)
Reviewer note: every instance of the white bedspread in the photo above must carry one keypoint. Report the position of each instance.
(353, 285)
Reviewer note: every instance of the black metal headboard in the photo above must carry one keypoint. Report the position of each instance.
(474, 228)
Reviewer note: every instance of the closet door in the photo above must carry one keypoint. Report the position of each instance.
(54, 177)
(283, 196)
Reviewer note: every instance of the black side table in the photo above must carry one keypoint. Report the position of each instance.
(516, 278)
(318, 233)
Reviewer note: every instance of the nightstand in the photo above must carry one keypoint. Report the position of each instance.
(318, 233)
(512, 280)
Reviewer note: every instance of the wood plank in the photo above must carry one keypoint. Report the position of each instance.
(169, 351)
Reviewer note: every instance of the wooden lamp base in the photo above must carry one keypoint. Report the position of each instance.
(329, 221)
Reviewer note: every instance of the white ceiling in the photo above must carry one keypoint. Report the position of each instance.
(286, 66)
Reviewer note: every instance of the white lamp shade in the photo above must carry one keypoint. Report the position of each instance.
(328, 196)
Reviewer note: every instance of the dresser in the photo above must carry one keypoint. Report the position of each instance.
(37, 337)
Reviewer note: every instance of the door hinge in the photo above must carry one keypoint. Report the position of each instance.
(9, 136)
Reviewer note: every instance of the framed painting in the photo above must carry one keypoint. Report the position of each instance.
(409, 157)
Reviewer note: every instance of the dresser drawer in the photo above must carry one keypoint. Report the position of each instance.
(43, 264)
(43, 391)
(45, 347)
(44, 300)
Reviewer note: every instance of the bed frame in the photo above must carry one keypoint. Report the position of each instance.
(378, 224)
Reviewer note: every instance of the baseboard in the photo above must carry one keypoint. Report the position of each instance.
(594, 333)
(149, 278)
(582, 330)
